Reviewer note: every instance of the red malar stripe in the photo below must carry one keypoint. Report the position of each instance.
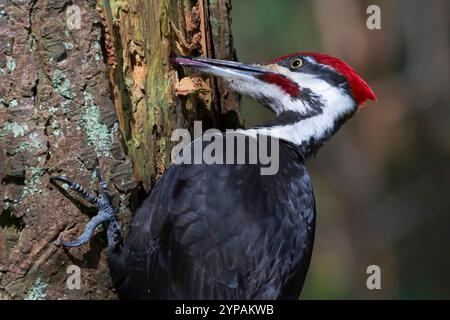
(288, 86)
(360, 89)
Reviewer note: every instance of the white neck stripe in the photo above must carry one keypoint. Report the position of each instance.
(336, 105)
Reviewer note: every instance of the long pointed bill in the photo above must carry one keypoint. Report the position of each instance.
(222, 68)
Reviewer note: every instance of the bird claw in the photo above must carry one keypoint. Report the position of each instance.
(69, 244)
(106, 212)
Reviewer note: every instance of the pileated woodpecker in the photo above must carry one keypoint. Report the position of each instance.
(225, 231)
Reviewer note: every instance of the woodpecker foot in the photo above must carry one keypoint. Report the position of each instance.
(106, 213)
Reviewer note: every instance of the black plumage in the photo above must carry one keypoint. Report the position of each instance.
(220, 232)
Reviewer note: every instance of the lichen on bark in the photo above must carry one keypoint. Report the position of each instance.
(101, 95)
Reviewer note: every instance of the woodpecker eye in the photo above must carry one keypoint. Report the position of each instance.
(296, 63)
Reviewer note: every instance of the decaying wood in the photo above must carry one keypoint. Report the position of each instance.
(72, 99)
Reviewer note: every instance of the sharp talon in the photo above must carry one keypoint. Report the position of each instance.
(78, 188)
(71, 244)
(88, 230)
(106, 212)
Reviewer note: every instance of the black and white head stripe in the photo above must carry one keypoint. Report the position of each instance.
(324, 102)
(311, 66)
(311, 94)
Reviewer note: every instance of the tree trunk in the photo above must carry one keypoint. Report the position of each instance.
(101, 95)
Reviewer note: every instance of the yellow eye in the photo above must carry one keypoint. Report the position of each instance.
(296, 63)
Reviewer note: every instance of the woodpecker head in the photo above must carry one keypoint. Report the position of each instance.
(312, 94)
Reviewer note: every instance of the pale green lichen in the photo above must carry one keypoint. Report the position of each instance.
(35, 141)
(37, 292)
(98, 57)
(97, 132)
(115, 127)
(68, 45)
(63, 107)
(52, 109)
(60, 82)
(10, 63)
(9, 203)
(13, 103)
(32, 184)
(16, 129)
(6, 205)
(64, 104)
(55, 128)
(24, 146)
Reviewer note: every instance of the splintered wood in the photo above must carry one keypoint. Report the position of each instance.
(190, 85)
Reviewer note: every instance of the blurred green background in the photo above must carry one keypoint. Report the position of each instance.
(382, 184)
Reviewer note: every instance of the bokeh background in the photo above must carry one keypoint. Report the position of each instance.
(382, 184)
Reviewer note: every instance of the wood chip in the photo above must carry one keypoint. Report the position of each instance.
(190, 85)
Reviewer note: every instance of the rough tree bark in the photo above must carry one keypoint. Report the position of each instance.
(106, 95)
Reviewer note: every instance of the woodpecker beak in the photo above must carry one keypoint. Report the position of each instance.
(229, 70)
(263, 83)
